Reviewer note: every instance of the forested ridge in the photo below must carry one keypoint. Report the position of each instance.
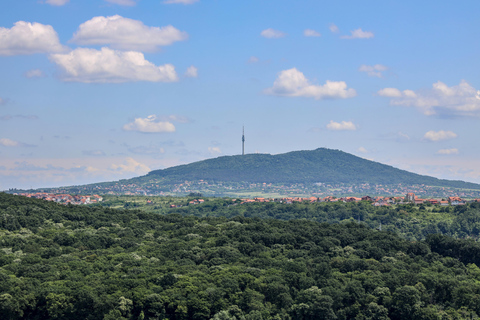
(308, 166)
(77, 262)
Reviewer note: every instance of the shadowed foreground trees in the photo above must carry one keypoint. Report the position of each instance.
(65, 262)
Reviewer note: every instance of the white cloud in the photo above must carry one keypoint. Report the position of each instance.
(362, 150)
(57, 2)
(128, 3)
(29, 38)
(439, 135)
(150, 124)
(192, 72)
(390, 92)
(2, 101)
(293, 83)
(253, 59)
(180, 1)
(341, 126)
(107, 65)
(373, 71)
(131, 165)
(126, 34)
(272, 34)
(214, 150)
(311, 33)
(333, 28)
(34, 73)
(359, 34)
(9, 143)
(459, 100)
(448, 151)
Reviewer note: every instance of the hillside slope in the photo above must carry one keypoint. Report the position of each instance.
(320, 165)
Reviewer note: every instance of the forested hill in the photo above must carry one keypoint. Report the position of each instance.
(320, 165)
(76, 262)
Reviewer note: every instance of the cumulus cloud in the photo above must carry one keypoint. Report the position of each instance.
(2, 101)
(130, 165)
(34, 73)
(149, 124)
(293, 83)
(180, 1)
(448, 151)
(311, 33)
(390, 92)
(459, 100)
(439, 135)
(359, 34)
(333, 28)
(29, 38)
(9, 143)
(362, 150)
(107, 65)
(5, 142)
(272, 34)
(214, 150)
(373, 71)
(192, 72)
(128, 3)
(126, 34)
(57, 2)
(341, 126)
(253, 59)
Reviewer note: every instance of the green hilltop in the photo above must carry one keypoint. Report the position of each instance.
(316, 166)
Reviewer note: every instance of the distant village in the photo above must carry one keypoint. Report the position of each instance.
(220, 189)
(64, 198)
(376, 201)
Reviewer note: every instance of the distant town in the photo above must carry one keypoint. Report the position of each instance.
(64, 198)
(251, 190)
(376, 201)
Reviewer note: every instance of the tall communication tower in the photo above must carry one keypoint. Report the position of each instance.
(243, 141)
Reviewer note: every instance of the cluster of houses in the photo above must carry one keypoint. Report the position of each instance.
(64, 198)
(376, 201)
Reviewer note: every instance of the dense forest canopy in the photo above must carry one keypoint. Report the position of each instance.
(77, 262)
(410, 221)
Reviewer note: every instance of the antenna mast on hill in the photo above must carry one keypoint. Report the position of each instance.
(243, 140)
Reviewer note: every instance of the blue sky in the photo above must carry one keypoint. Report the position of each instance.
(98, 90)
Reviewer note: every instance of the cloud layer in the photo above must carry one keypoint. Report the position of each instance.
(459, 100)
(293, 83)
(127, 3)
(150, 124)
(359, 34)
(57, 2)
(29, 38)
(448, 151)
(311, 33)
(373, 71)
(107, 65)
(341, 126)
(272, 34)
(439, 135)
(126, 34)
(192, 72)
